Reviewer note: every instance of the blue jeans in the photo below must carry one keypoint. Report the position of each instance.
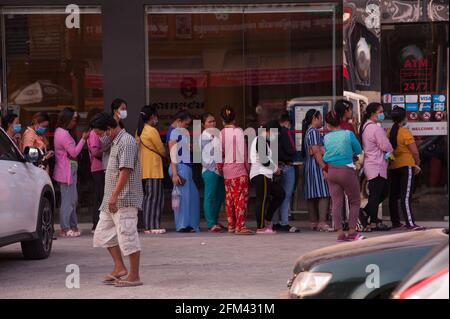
(281, 216)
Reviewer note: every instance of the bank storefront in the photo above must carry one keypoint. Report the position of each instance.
(255, 57)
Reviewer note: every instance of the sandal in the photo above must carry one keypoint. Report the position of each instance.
(216, 229)
(325, 228)
(111, 279)
(244, 231)
(231, 230)
(76, 232)
(381, 227)
(158, 231)
(126, 283)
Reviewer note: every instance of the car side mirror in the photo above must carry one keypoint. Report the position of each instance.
(32, 154)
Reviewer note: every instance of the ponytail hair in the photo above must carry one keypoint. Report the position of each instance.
(146, 113)
(398, 115)
(340, 107)
(228, 115)
(371, 109)
(310, 115)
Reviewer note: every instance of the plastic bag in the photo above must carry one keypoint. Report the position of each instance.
(176, 199)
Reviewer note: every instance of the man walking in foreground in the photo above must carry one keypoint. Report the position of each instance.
(117, 228)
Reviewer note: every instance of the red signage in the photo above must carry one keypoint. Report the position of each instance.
(415, 76)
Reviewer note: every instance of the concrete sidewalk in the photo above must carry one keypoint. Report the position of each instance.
(174, 265)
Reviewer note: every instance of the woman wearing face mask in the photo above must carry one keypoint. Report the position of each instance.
(376, 150)
(187, 218)
(405, 163)
(315, 188)
(13, 128)
(66, 167)
(119, 112)
(152, 152)
(214, 190)
(34, 136)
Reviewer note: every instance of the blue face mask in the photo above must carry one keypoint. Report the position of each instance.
(17, 128)
(40, 130)
(380, 117)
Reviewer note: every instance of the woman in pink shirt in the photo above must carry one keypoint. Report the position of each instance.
(95, 148)
(235, 168)
(376, 147)
(66, 167)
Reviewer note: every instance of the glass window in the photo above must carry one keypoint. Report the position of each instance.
(50, 61)
(50, 66)
(254, 58)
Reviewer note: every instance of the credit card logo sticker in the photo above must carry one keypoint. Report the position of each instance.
(398, 99)
(439, 98)
(425, 107)
(411, 99)
(425, 99)
(439, 106)
(412, 107)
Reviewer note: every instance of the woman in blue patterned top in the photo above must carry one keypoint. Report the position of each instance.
(315, 188)
(187, 217)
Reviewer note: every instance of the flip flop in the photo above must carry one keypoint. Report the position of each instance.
(125, 283)
(111, 280)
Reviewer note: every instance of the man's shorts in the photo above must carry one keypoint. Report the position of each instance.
(118, 229)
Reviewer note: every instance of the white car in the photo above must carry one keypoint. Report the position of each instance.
(27, 201)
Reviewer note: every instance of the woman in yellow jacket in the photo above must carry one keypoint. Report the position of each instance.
(152, 152)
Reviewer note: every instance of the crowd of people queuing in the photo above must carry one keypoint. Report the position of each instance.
(330, 156)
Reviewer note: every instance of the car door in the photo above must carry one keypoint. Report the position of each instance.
(18, 189)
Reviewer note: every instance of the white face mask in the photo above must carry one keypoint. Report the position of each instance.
(123, 114)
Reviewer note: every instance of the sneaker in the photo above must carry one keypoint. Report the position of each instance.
(381, 227)
(398, 226)
(415, 228)
(277, 227)
(266, 231)
(355, 237)
(363, 218)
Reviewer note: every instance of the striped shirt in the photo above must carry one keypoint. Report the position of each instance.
(314, 184)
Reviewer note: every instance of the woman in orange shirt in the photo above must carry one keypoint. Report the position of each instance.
(402, 168)
(34, 134)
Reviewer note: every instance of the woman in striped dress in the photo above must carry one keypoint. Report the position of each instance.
(315, 188)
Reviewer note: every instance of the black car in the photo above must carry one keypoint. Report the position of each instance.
(370, 268)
